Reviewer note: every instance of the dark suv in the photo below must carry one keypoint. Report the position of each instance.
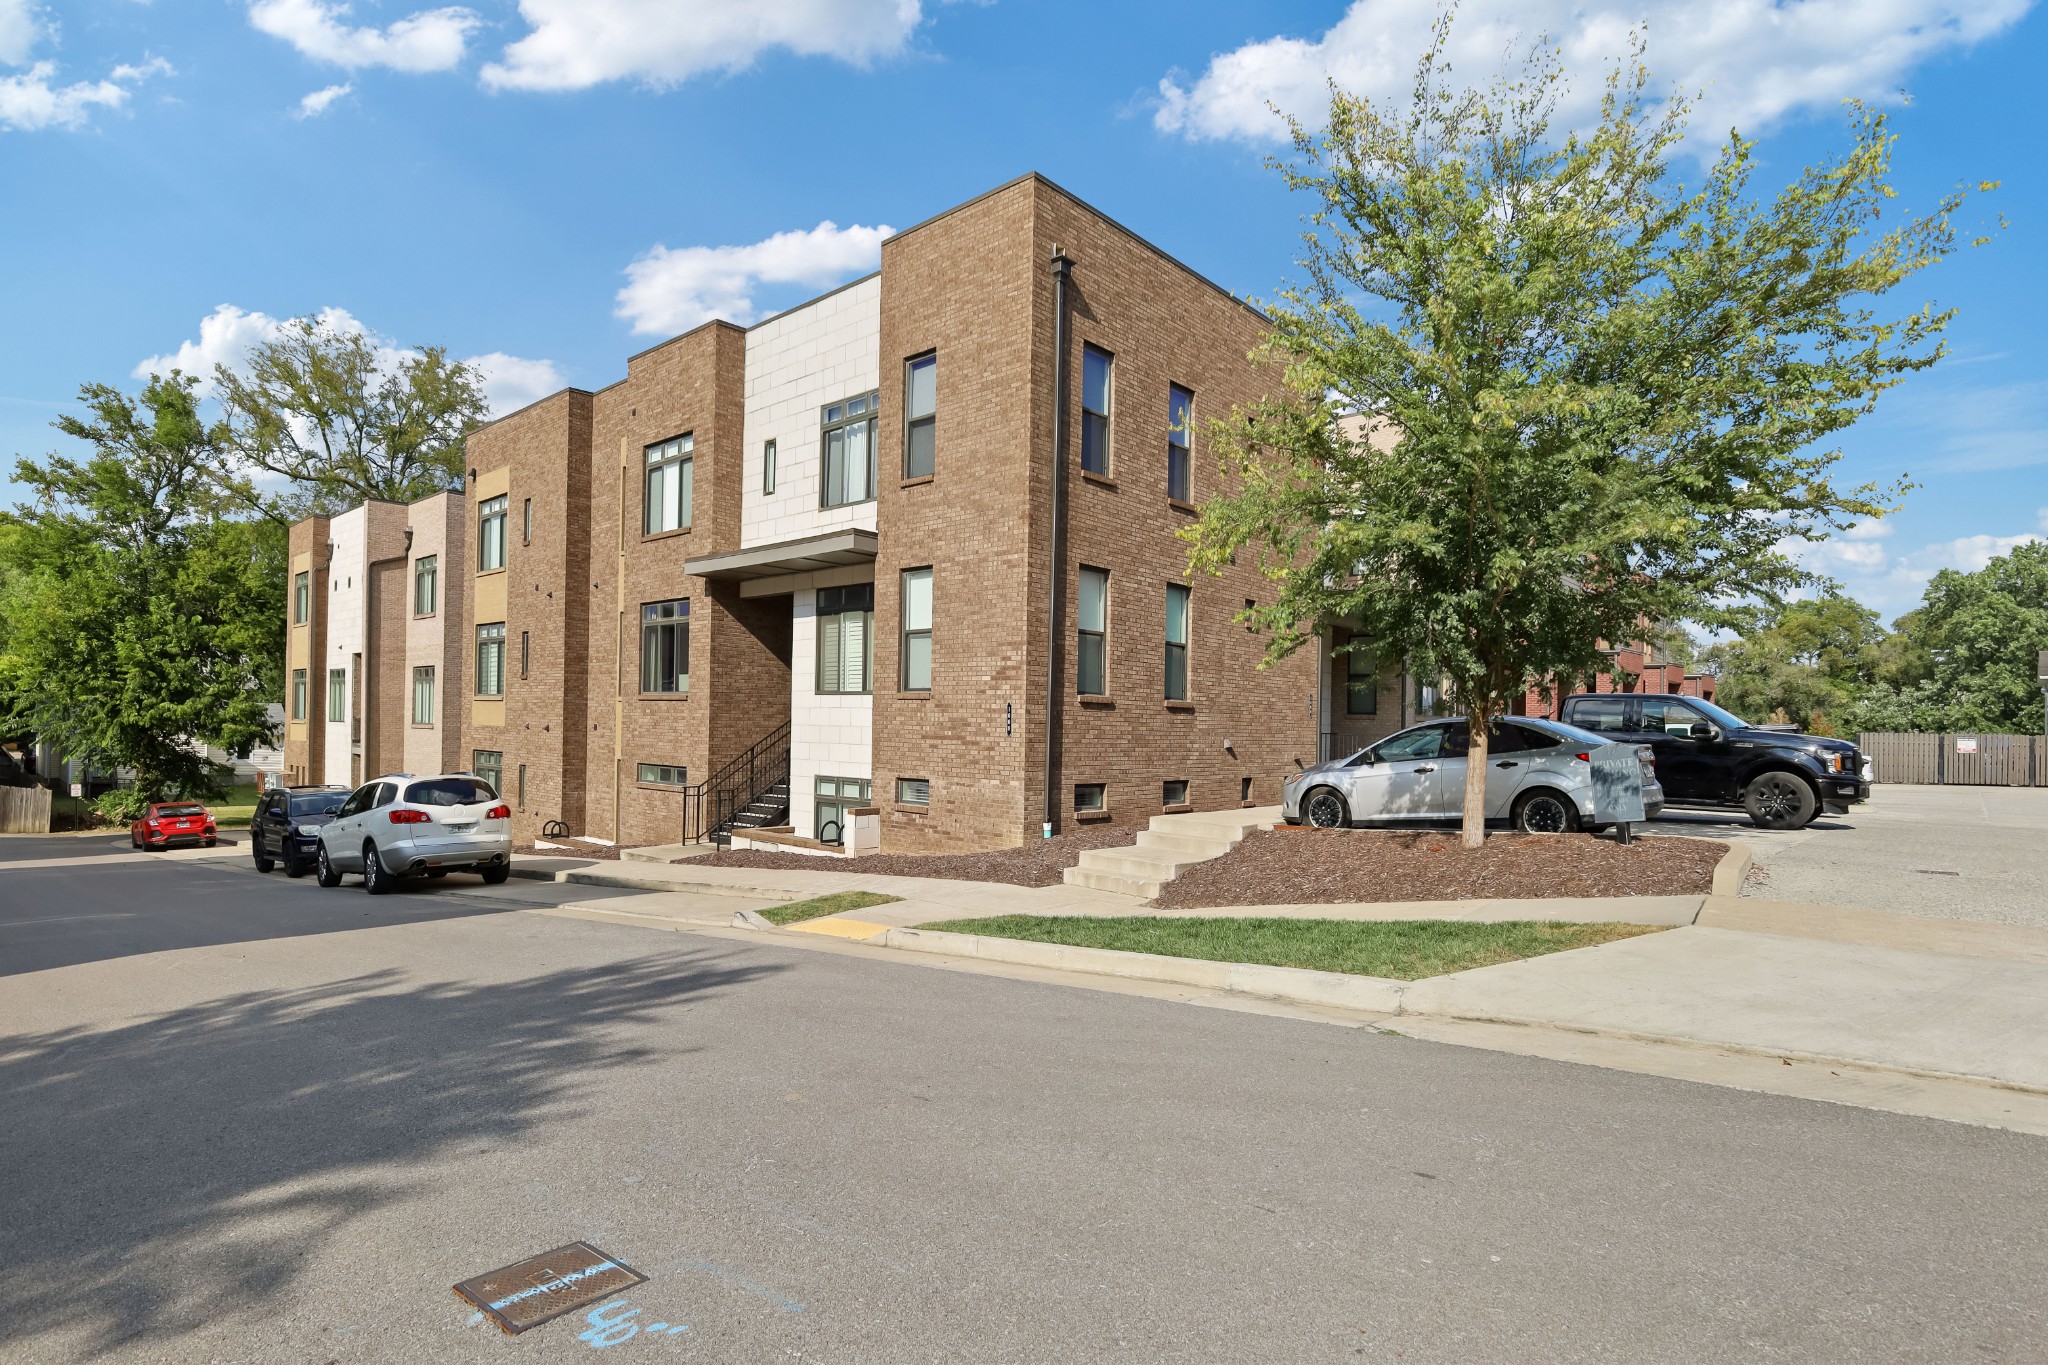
(286, 826)
(1710, 757)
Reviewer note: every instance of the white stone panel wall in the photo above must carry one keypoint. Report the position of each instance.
(348, 590)
(830, 734)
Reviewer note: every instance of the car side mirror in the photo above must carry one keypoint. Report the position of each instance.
(1702, 730)
(332, 810)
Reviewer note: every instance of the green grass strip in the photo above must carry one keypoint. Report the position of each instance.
(1403, 949)
(838, 903)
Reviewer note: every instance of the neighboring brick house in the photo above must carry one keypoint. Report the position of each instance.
(822, 548)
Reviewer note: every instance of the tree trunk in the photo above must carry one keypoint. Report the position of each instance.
(1475, 783)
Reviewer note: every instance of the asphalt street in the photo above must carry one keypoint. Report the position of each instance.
(246, 1119)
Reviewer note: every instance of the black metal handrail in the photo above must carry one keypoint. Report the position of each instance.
(711, 807)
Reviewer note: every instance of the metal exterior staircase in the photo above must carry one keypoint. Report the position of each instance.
(1171, 843)
(751, 792)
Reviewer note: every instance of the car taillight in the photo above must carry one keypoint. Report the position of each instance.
(498, 813)
(409, 817)
(1583, 758)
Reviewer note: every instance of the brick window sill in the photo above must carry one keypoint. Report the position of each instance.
(1182, 809)
(918, 481)
(1096, 703)
(490, 573)
(905, 808)
(664, 535)
(1177, 505)
(422, 725)
(670, 788)
(425, 615)
(1099, 480)
(913, 696)
(1186, 706)
(661, 696)
(1090, 817)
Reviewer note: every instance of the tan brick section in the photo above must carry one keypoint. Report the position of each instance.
(973, 286)
(305, 746)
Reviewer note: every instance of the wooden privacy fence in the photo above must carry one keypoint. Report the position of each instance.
(1958, 760)
(24, 810)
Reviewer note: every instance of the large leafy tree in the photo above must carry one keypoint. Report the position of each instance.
(142, 608)
(345, 420)
(1801, 661)
(1539, 393)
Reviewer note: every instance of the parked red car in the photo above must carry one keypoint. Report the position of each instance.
(173, 822)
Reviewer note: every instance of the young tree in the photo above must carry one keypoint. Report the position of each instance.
(344, 421)
(1807, 659)
(1540, 394)
(141, 613)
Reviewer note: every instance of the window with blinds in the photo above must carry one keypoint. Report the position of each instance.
(846, 638)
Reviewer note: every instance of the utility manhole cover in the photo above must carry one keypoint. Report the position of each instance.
(541, 1288)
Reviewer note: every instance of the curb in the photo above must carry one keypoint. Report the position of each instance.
(1732, 870)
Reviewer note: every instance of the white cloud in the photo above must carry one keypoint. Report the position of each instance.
(1890, 582)
(320, 101)
(577, 43)
(33, 99)
(673, 289)
(21, 28)
(1758, 61)
(227, 334)
(431, 40)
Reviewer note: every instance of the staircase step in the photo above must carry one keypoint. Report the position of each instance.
(1111, 881)
(1141, 863)
(1191, 846)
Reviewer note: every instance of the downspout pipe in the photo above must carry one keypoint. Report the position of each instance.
(1062, 271)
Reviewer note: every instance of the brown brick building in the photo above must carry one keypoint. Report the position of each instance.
(903, 557)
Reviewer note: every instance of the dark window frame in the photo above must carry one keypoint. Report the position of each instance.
(908, 635)
(1097, 455)
(1086, 635)
(490, 646)
(917, 423)
(1180, 450)
(491, 515)
(1361, 689)
(423, 673)
(675, 459)
(860, 410)
(1179, 688)
(832, 609)
(426, 583)
(669, 617)
(302, 597)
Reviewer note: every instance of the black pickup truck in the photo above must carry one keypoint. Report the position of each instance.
(1710, 757)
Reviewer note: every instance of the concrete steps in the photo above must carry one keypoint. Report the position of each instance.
(1171, 843)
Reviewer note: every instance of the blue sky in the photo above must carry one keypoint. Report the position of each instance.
(554, 184)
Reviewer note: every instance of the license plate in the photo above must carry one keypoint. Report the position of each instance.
(461, 828)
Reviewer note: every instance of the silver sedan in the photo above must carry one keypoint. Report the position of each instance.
(1539, 779)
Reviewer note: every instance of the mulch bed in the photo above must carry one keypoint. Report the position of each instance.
(1037, 863)
(569, 849)
(1325, 867)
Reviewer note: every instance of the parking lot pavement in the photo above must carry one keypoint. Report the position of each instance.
(1978, 853)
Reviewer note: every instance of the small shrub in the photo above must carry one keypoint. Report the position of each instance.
(121, 806)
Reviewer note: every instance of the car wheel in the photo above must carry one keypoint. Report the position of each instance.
(376, 880)
(1546, 812)
(496, 873)
(263, 864)
(134, 842)
(1325, 809)
(327, 876)
(1779, 800)
(293, 867)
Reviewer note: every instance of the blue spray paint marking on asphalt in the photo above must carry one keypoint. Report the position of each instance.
(612, 1325)
(787, 1305)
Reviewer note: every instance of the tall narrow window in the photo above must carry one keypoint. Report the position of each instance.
(522, 786)
(1361, 682)
(490, 533)
(665, 646)
(837, 798)
(337, 694)
(423, 696)
(917, 630)
(669, 480)
(1095, 396)
(298, 694)
(490, 660)
(426, 585)
(1176, 642)
(767, 467)
(846, 435)
(1092, 656)
(920, 416)
(489, 764)
(302, 597)
(525, 653)
(846, 645)
(1180, 411)
(526, 523)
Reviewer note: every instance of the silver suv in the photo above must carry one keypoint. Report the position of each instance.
(400, 824)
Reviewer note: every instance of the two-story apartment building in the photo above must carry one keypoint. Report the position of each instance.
(910, 548)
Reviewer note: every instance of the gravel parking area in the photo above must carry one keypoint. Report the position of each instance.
(1038, 863)
(1321, 867)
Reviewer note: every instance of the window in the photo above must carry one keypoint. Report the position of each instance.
(489, 764)
(1176, 642)
(302, 596)
(920, 420)
(522, 786)
(1180, 406)
(337, 694)
(490, 533)
(1361, 681)
(914, 791)
(837, 796)
(917, 630)
(490, 660)
(525, 653)
(847, 437)
(670, 481)
(665, 646)
(1427, 742)
(1602, 715)
(426, 585)
(846, 645)
(1092, 660)
(1674, 718)
(1174, 793)
(423, 696)
(1095, 386)
(1428, 697)
(298, 694)
(665, 774)
(767, 467)
(1244, 790)
(449, 791)
(526, 523)
(1091, 796)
